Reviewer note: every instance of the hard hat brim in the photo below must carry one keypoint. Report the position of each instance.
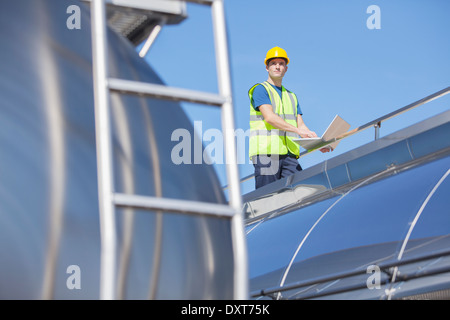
(267, 60)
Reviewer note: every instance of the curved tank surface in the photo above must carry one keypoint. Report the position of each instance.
(373, 223)
(49, 220)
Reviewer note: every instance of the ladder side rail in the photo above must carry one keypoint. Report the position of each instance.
(241, 291)
(104, 151)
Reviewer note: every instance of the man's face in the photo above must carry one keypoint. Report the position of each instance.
(277, 68)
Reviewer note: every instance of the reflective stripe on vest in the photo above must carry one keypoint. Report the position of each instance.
(266, 139)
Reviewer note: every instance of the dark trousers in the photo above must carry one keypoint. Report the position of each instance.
(269, 168)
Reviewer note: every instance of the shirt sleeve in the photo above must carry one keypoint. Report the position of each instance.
(299, 110)
(260, 97)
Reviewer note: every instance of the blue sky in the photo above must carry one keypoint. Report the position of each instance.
(338, 65)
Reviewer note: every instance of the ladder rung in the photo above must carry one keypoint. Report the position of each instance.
(164, 92)
(173, 205)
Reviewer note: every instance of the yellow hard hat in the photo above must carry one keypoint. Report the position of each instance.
(276, 52)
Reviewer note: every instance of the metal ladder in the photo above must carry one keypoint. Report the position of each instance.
(109, 200)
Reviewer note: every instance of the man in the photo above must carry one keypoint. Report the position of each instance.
(275, 119)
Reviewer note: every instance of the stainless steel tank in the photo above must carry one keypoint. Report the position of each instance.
(49, 221)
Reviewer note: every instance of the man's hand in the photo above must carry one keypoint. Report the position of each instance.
(306, 133)
(326, 149)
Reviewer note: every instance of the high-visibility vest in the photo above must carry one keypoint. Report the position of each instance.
(265, 139)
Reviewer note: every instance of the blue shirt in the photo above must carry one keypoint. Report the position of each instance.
(261, 96)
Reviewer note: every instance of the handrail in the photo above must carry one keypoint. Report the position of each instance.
(377, 122)
(374, 123)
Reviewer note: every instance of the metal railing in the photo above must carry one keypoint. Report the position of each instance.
(387, 267)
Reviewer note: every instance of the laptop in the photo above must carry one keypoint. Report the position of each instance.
(337, 127)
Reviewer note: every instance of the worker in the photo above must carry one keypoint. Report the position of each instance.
(275, 119)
